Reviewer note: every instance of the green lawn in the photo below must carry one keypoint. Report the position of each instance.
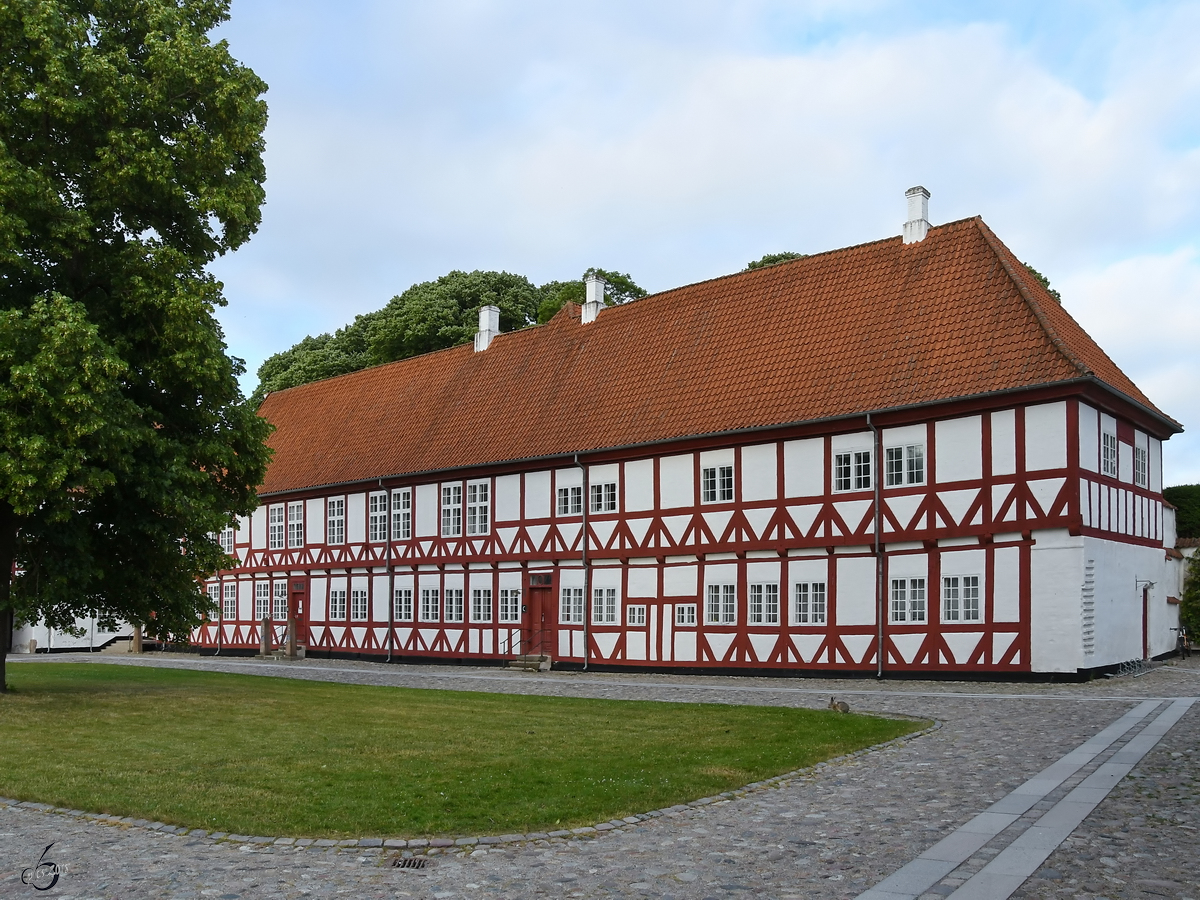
(273, 756)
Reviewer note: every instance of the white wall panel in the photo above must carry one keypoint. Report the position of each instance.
(856, 591)
(677, 481)
(639, 485)
(1006, 602)
(258, 529)
(314, 521)
(908, 565)
(759, 473)
(508, 498)
(426, 498)
(804, 468)
(1046, 436)
(959, 449)
(1089, 438)
(537, 495)
(1004, 442)
(1156, 479)
(860, 440)
(379, 598)
(356, 518)
(318, 593)
(245, 593)
(680, 581)
(1125, 462)
(1056, 575)
(643, 582)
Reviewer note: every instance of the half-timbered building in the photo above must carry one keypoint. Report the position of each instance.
(898, 457)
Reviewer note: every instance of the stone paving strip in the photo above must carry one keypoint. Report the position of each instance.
(831, 832)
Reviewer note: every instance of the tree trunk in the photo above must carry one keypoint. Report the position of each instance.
(8, 557)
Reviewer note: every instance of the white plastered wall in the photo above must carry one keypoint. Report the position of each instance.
(1056, 584)
(1119, 568)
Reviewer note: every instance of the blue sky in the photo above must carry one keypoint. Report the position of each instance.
(677, 141)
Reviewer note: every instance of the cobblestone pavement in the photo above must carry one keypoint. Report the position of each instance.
(831, 832)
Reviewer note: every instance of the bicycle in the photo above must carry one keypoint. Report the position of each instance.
(1183, 644)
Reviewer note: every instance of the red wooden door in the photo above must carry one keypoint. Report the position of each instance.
(539, 618)
(298, 609)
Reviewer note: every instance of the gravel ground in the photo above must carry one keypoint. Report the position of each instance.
(830, 832)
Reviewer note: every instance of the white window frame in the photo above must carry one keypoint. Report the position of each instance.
(570, 501)
(570, 607)
(225, 539)
(295, 524)
(276, 527)
(1141, 468)
(810, 603)
(635, 615)
(402, 514)
(452, 510)
(909, 601)
(605, 606)
(431, 604)
(481, 605)
(479, 507)
(904, 465)
(214, 595)
(510, 605)
(279, 600)
(452, 610)
(229, 604)
(335, 520)
(763, 604)
(1108, 453)
(377, 516)
(852, 471)
(716, 484)
(604, 497)
(402, 604)
(262, 600)
(337, 604)
(359, 604)
(962, 598)
(685, 615)
(720, 607)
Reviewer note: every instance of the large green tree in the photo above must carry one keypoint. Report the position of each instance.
(1186, 500)
(130, 157)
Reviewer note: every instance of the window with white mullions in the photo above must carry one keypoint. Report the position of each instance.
(229, 611)
(402, 514)
(402, 604)
(478, 507)
(809, 603)
(510, 605)
(720, 606)
(295, 525)
(604, 606)
(453, 605)
(430, 604)
(571, 608)
(908, 601)
(262, 600)
(685, 614)
(764, 604)
(358, 605)
(604, 497)
(337, 604)
(716, 484)
(852, 471)
(1108, 453)
(225, 539)
(635, 615)
(1139, 467)
(377, 513)
(904, 465)
(335, 520)
(214, 595)
(481, 605)
(960, 598)
(452, 510)
(570, 501)
(279, 595)
(275, 527)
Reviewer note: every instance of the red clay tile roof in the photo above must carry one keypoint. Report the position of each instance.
(870, 327)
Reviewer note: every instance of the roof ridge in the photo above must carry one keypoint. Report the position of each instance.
(1035, 307)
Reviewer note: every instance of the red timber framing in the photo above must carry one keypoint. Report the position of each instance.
(975, 513)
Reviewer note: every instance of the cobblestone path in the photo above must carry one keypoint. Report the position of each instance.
(834, 832)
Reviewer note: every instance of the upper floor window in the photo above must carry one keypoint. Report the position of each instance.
(377, 513)
(604, 497)
(225, 538)
(452, 510)
(295, 524)
(1139, 467)
(275, 527)
(478, 507)
(960, 598)
(721, 605)
(570, 501)
(908, 600)
(335, 520)
(904, 465)
(852, 471)
(716, 484)
(402, 514)
(1108, 453)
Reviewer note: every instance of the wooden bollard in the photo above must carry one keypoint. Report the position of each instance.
(291, 638)
(135, 646)
(264, 642)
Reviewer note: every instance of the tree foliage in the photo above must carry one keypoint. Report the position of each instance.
(773, 259)
(1189, 607)
(1044, 281)
(130, 157)
(432, 315)
(1186, 500)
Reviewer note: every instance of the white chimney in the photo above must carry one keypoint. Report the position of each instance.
(489, 326)
(595, 298)
(917, 225)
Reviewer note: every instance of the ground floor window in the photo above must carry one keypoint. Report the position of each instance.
(685, 614)
(337, 603)
(280, 613)
(358, 605)
(510, 605)
(262, 600)
(960, 598)
(571, 610)
(454, 604)
(635, 615)
(604, 606)
(402, 605)
(481, 605)
(764, 604)
(430, 603)
(809, 604)
(908, 600)
(721, 605)
(229, 610)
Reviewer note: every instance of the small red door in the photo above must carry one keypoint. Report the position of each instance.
(539, 615)
(298, 609)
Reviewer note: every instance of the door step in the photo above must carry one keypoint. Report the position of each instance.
(530, 663)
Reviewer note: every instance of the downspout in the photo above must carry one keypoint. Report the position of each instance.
(583, 555)
(391, 575)
(880, 600)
